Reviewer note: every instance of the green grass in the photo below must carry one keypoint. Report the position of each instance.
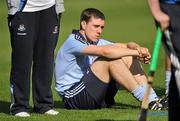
(125, 21)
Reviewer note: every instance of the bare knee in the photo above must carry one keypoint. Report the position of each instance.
(116, 63)
(136, 69)
(101, 69)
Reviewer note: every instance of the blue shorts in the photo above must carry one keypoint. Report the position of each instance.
(90, 93)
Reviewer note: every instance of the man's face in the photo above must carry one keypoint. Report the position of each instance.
(93, 28)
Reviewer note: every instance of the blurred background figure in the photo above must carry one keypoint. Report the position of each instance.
(34, 29)
(167, 14)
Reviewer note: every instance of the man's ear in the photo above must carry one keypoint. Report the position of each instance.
(83, 24)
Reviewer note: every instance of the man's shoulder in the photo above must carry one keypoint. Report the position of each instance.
(78, 36)
(73, 43)
(104, 42)
(74, 38)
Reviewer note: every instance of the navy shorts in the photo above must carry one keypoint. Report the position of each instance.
(90, 93)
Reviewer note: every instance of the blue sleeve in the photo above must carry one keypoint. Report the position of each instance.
(74, 46)
(104, 42)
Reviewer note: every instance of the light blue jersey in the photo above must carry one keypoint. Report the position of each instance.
(71, 63)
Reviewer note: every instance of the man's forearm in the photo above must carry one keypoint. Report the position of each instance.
(161, 17)
(154, 7)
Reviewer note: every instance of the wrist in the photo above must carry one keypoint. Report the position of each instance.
(138, 51)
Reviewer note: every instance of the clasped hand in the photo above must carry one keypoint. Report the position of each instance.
(144, 55)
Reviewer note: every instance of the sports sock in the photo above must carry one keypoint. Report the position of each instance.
(167, 80)
(139, 92)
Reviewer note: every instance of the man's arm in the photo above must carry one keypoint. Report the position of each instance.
(116, 51)
(130, 45)
(161, 17)
(109, 51)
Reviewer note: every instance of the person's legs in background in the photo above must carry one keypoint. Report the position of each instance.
(167, 74)
(43, 58)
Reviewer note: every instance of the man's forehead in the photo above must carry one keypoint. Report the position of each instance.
(95, 19)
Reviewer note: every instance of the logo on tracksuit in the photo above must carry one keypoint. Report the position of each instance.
(55, 31)
(21, 30)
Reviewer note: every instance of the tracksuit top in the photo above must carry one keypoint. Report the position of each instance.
(33, 5)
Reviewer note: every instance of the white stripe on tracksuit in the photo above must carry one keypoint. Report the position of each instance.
(12, 96)
(75, 91)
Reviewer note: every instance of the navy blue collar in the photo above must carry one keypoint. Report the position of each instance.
(81, 38)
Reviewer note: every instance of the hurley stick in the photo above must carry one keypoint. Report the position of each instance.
(145, 102)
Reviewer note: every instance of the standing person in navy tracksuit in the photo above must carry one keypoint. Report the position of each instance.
(167, 13)
(34, 28)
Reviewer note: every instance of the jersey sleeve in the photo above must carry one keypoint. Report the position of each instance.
(104, 42)
(75, 46)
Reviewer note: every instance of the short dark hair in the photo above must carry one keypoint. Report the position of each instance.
(91, 12)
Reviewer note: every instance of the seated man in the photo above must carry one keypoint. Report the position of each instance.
(88, 67)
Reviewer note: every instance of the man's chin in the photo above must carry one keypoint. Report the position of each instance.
(95, 40)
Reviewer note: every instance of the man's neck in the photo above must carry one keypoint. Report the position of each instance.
(83, 34)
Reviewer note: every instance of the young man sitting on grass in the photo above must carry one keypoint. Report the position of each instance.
(88, 68)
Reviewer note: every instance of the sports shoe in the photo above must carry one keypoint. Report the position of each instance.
(22, 114)
(160, 104)
(155, 105)
(164, 102)
(51, 112)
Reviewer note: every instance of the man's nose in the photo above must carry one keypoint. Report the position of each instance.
(99, 30)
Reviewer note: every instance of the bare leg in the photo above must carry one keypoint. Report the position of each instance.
(101, 69)
(136, 69)
(127, 72)
(120, 71)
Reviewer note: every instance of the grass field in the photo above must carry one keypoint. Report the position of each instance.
(126, 20)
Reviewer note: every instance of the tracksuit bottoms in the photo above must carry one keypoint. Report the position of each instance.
(173, 11)
(34, 37)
